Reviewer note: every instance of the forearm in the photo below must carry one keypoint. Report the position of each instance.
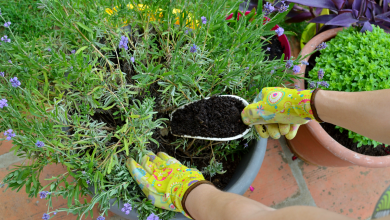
(366, 113)
(208, 203)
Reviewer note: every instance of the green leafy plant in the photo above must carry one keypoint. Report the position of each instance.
(354, 61)
(94, 91)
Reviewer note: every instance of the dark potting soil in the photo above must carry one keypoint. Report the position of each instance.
(276, 49)
(343, 138)
(218, 117)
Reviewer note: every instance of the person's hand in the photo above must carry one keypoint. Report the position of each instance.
(164, 180)
(280, 111)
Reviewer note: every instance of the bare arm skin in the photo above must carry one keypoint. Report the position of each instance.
(366, 113)
(208, 203)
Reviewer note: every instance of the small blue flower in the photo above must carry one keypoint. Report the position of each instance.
(283, 7)
(152, 217)
(247, 68)
(2, 74)
(204, 19)
(3, 103)
(10, 61)
(49, 49)
(10, 134)
(88, 182)
(321, 74)
(245, 145)
(312, 84)
(39, 144)
(54, 213)
(193, 48)
(100, 218)
(83, 172)
(15, 82)
(296, 69)
(45, 216)
(73, 51)
(186, 32)
(272, 72)
(289, 64)
(127, 208)
(123, 43)
(43, 194)
(321, 46)
(132, 59)
(324, 83)
(268, 8)
(268, 49)
(7, 24)
(279, 31)
(304, 62)
(6, 39)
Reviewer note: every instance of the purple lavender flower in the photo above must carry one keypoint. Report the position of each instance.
(73, 51)
(279, 31)
(127, 208)
(83, 172)
(49, 49)
(100, 218)
(296, 86)
(6, 39)
(54, 213)
(283, 7)
(324, 83)
(304, 62)
(204, 19)
(186, 31)
(39, 144)
(88, 182)
(272, 72)
(7, 24)
(245, 145)
(152, 217)
(123, 43)
(312, 84)
(15, 82)
(10, 61)
(193, 48)
(268, 8)
(71, 67)
(296, 69)
(3, 103)
(247, 68)
(43, 194)
(132, 59)
(268, 49)
(45, 216)
(321, 74)
(321, 46)
(2, 74)
(289, 64)
(10, 134)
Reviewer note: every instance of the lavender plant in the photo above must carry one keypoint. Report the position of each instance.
(98, 88)
(354, 61)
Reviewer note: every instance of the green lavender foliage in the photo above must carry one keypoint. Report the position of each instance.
(75, 70)
(355, 61)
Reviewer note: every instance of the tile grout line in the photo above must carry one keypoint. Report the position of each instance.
(303, 197)
(8, 159)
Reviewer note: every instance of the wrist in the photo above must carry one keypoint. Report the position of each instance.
(315, 99)
(197, 199)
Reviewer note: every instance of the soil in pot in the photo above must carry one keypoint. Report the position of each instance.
(342, 137)
(215, 117)
(275, 48)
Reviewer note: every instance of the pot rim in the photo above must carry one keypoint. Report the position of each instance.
(315, 128)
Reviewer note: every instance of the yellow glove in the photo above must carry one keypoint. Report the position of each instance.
(280, 111)
(164, 180)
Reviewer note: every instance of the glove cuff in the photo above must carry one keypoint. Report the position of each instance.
(313, 107)
(192, 187)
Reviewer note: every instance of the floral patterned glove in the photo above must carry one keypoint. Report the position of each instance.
(280, 111)
(165, 181)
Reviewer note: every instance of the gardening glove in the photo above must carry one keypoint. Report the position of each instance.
(280, 111)
(165, 181)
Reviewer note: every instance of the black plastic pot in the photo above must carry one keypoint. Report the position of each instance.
(239, 184)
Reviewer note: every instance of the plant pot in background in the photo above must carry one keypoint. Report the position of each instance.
(242, 179)
(283, 38)
(313, 144)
